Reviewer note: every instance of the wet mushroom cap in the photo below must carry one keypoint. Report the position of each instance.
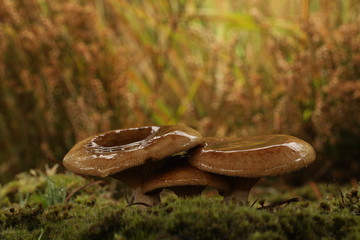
(184, 176)
(253, 157)
(114, 151)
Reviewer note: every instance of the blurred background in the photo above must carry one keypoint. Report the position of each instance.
(73, 68)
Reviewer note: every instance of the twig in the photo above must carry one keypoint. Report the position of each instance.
(277, 204)
(262, 202)
(138, 203)
(253, 203)
(55, 161)
(82, 187)
(338, 187)
(316, 190)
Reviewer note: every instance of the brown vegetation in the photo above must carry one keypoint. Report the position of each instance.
(74, 68)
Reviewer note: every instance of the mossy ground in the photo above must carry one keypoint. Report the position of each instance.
(34, 206)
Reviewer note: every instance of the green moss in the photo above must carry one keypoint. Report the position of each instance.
(38, 188)
(91, 214)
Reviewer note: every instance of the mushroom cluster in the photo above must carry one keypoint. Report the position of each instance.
(152, 158)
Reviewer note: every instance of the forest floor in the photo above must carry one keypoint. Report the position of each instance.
(51, 205)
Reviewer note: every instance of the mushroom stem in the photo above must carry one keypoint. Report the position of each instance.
(187, 191)
(148, 199)
(238, 195)
(240, 189)
(130, 178)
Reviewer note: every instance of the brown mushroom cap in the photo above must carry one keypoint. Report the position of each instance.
(114, 151)
(253, 157)
(184, 180)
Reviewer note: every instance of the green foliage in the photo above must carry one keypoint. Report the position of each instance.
(39, 188)
(54, 194)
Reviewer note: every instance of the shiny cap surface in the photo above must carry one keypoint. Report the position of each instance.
(256, 156)
(111, 152)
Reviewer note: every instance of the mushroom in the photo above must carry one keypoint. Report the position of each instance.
(130, 155)
(245, 160)
(183, 179)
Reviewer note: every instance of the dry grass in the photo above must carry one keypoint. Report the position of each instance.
(74, 68)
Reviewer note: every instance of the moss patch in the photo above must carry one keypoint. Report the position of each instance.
(93, 214)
